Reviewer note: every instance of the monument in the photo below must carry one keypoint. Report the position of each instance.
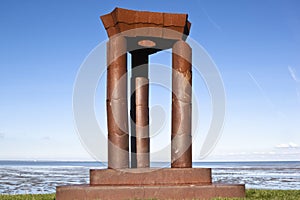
(129, 175)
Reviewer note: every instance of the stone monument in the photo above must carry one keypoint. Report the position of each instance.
(129, 175)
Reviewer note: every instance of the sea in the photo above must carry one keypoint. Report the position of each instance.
(40, 177)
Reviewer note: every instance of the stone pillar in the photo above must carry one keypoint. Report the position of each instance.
(181, 145)
(142, 122)
(139, 62)
(116, 103)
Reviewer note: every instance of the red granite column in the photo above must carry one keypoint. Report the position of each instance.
(139, 62)
(181, 144)
(116, 104)
(142, 122)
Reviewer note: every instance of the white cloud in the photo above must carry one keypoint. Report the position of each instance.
(293, 145)
(46, 138)
(289, 145)
(291, 152)
(293, 74)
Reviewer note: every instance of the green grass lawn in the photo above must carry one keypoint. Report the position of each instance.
(28, 197)
(251, 195)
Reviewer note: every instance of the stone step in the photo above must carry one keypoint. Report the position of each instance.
(175, 192)
(150, 176)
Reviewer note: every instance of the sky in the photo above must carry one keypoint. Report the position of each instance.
(255, 46)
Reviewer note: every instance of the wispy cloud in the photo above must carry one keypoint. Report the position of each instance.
(293, 74)
(288, 145)
(2, 135)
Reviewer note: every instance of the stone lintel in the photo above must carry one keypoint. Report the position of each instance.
(121, 20)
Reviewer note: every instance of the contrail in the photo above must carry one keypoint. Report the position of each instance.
(293, 74)
(261, 90)
(211, 20)
(296, 79)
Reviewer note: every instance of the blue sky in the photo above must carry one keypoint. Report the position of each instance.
(255, 45)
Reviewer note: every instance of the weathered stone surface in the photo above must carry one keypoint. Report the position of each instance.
(173, 192)
(121, 20)
(150, 176)
(142, 122)
(116, 104)
(181, 136)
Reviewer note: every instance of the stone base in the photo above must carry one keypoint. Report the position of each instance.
(150, 176)
(87, 192)
(167, 183)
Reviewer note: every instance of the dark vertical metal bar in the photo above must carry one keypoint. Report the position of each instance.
(116, 103)
(139, 62)
(181, 144)
(142, 122)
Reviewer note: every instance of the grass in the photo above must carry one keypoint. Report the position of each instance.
(274, 194)
(28, 197)
(251, 195)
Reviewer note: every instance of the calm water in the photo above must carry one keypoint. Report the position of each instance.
(19, 177)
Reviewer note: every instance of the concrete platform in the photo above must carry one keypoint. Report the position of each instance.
(175, 192)
(165, 183)
(150, 176)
